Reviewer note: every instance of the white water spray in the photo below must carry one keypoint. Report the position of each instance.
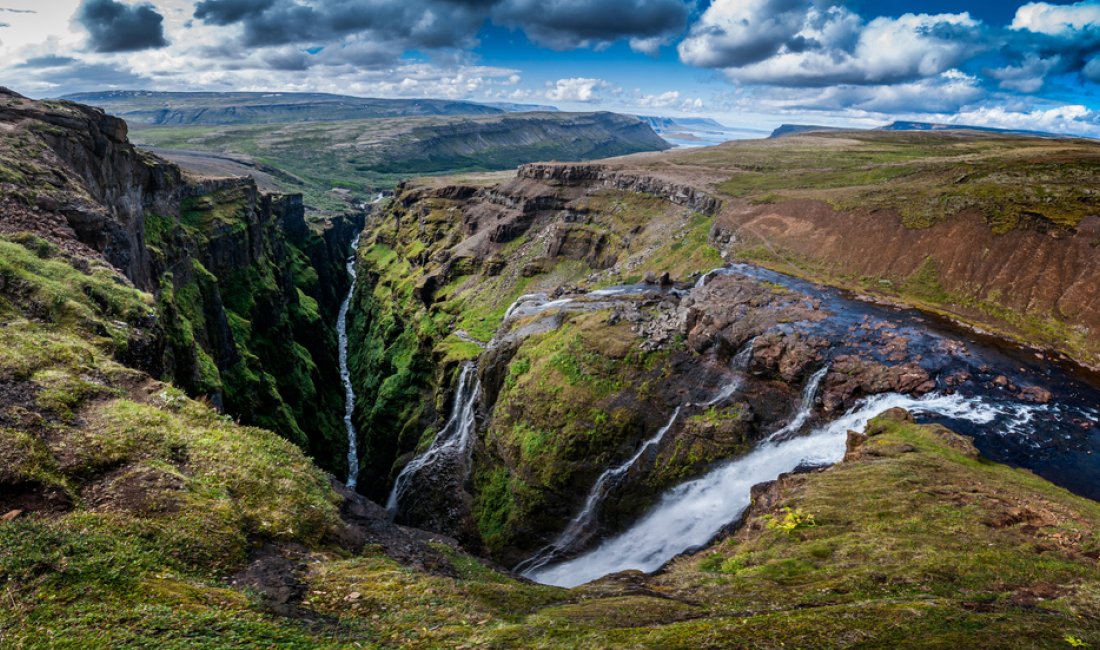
(805, 406)
(453, 438)
(691, 514)
(582, 523)
(345, 374)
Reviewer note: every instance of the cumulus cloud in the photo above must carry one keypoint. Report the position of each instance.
(577, 89)
(663, 100)
(117, 27)
(944, 93)
(428, 24)
(735, 33)
(1073, 118)
(1055, 20)
(568, 24)
(671, 99)
(1029, 75)
(803, 43)
(410, 25)
(1091, 71)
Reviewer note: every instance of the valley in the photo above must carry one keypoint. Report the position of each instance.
(830, 390)
(350, 148)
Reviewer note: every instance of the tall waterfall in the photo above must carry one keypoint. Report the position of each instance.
(345, 374)
(582, 523)
(454, 438)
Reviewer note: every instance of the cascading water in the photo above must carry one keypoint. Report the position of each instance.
(691, 514)
(458, 432)
(452, 440)
(805, 406)
(581, 525)
(345, 374)
(981, 392)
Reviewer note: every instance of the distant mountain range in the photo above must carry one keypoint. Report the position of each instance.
(796, 129)
(148, 108)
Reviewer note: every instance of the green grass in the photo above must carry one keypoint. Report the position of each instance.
(37, 282)
(927, 178)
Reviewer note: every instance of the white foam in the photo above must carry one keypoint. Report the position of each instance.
(691, 514)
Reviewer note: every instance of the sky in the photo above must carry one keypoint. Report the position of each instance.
(747, 63)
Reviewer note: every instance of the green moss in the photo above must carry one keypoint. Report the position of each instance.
(95, 301)
(925, 284)
(494, 505)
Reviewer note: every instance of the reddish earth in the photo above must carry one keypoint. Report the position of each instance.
(1042, 272)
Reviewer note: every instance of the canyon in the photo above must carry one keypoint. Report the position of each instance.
(661, 401)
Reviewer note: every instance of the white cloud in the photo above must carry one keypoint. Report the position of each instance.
(947, 92)
(577, 89)
(798, 43)
(663, 100)
(1029, 76)
(1073, 118)
(671, 99)
(1057, 20)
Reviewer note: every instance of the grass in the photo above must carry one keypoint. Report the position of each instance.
(927, 178)
(37, 282)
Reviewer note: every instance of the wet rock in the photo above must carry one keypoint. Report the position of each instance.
(1036, 395)
(852, 377)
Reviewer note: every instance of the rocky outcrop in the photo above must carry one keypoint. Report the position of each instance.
(246, 288)
(609, 177)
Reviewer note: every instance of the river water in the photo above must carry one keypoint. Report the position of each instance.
(984, 399)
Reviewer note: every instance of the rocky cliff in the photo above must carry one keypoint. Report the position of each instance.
(246, 289)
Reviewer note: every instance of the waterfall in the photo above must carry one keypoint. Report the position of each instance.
(805, 406)
(582, 523)
(691, 514)
(454, 438)
(345, 374)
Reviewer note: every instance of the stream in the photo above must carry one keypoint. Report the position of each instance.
(345, 374)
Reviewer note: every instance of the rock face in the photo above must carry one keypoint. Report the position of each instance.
(596, 175)
(246, 288)
(1044, 272)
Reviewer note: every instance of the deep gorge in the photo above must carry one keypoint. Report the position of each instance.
(579, 370)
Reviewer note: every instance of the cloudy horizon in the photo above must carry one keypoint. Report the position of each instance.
(747, 63)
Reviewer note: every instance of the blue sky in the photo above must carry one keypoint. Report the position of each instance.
(749, 63)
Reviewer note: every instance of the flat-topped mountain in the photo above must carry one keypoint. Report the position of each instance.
(356, 158)
(143, 107)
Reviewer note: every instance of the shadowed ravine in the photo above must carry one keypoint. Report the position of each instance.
(345, 374)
